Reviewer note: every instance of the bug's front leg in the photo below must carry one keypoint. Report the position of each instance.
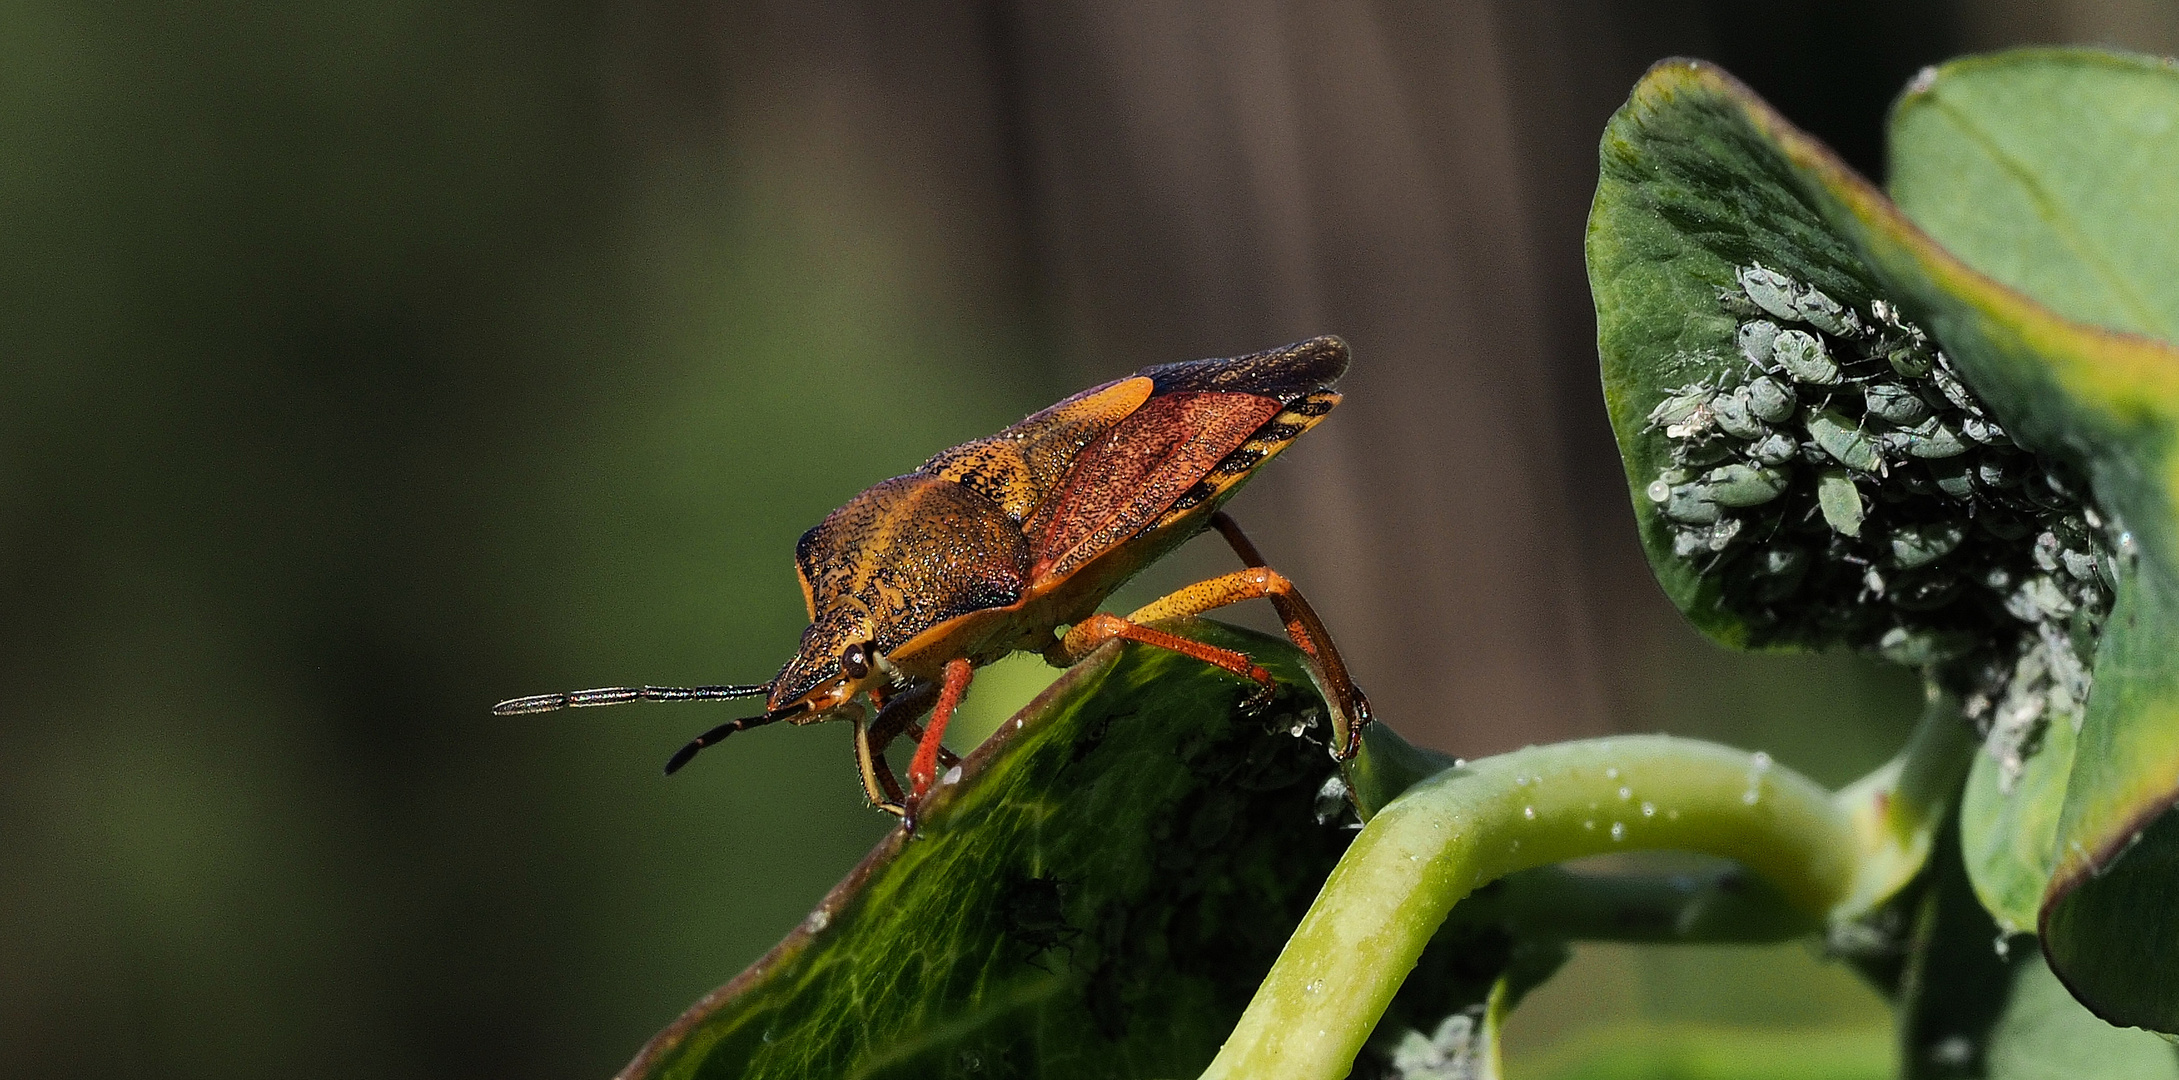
(895, 717)
(872, 736)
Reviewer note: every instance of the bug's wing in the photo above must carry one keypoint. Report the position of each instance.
(1131, 475)
(1286, 373)
(1021, 466)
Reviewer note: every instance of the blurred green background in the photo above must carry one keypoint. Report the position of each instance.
(361, 365)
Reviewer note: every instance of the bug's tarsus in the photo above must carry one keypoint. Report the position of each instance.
(681, 757)
(621, 695)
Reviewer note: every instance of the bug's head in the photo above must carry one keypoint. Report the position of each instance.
(838, 662)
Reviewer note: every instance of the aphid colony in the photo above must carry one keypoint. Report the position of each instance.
(1843, 485)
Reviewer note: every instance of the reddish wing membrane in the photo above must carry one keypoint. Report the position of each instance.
(1137, 470)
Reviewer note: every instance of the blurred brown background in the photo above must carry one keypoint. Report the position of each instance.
(362, 365)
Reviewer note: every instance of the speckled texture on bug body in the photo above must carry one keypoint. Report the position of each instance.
(1841, 484)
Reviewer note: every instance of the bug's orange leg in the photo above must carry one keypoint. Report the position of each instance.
(1100, 628)
(1302, 623)
(923, 771)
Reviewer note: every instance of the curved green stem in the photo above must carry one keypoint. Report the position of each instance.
(1470, 825)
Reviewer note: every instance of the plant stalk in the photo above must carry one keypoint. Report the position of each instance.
(1470, 825)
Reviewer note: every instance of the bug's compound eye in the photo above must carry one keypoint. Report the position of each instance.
(855, 661)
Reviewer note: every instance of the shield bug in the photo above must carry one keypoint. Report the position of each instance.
(995, 545)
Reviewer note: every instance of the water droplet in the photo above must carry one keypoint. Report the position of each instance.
(1589, 825)
(1672, 815)
(1649, 809)
(818, 920)
(1459, 762)
(1516, 845)
(953, 776)
(1952, 1051)
(1612, 773)
(1529, 812)
(1759, 761)
(1625, 793)
(1751, 796)
(1619, 830)
(1520, 781)
(1316, 986)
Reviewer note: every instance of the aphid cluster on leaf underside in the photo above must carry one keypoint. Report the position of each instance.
(993, 546)
(1840, 483)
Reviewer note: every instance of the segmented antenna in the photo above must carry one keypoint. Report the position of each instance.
(681, 757)
(620, 695)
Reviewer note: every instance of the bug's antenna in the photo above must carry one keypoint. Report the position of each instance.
(618, 695)
(681, 757)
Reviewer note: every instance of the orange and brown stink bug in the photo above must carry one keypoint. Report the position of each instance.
(992, 546)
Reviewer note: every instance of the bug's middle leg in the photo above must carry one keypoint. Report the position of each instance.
(953, 687)
(1086, 635)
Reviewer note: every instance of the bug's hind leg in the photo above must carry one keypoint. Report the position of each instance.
(1301, 621)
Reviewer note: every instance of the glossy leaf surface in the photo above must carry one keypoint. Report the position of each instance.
(1096, 894)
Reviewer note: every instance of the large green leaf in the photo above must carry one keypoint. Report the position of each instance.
(2056, 172)
(1701, 178)
(2051, 170)
(1096, 894)
(1976, 1002)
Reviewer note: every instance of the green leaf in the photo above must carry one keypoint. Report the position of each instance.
(1694, 1053)
(1979, 1003)
(1688, 163)
(2051, 171)
(1098, 893)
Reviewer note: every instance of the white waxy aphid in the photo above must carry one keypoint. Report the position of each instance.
(1723, 533)
(1743, 485)
(1772, 291)
(1688, 506)
(1803, 356)
(1755, 339)
(1770, 399)
(1840, 501)
(1933, 438)
(1734, 416)
(1776, 448)
(2037, 599)
(1894, 403)
(1953, 477)
(2046, 551)
(1844, 440)
(1825, 314)
(1997, 472)
(1676, 409)
(1919, 545)
(1911, 361)
(1782, 561)
(1984, 431)
(2080, 564)
(1951, 387)
(1920, 647)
